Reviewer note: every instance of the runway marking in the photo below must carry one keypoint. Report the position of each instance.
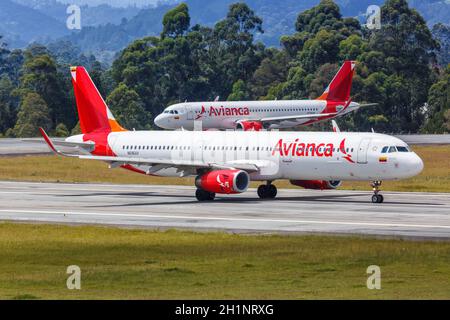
(392, 225)
(102, 187)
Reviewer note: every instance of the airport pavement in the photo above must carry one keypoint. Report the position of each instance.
(12, 147)
(15, 147)
(425, 138)
(406, 215)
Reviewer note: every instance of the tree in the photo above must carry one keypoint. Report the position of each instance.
(7, 104)
(403, 50)
(438, 105)
(325, 16)
(240, 92)
(128, 108)
(176, 22)
(441, 33)
(3, 55)
(39, 75)
(61, 130)
(33, 113)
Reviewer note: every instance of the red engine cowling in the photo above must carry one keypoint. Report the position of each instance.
(249, 126)
(224, 181)
(316, 184)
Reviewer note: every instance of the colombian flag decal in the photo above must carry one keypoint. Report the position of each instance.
(382, 159)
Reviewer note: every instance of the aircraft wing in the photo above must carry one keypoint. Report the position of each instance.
(156, 164)
(163, 164)
(88, 146)
(295, 117)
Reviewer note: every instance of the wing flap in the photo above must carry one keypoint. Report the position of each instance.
(295, 117)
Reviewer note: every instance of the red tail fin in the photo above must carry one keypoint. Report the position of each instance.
(341, 85)
(93, 112)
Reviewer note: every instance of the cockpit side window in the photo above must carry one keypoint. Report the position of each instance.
(402, 149)
(385, 149)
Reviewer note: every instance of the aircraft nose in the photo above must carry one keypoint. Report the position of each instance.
(159, 121)
(415, 165)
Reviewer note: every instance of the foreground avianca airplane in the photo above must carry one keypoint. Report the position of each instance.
(256, 115)
(224, 162)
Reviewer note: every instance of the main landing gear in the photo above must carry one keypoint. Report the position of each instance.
(267, 191)
(203, 195)
(377, 198)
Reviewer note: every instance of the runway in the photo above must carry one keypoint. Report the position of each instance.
(409, 215)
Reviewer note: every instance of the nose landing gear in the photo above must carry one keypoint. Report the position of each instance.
(267, 191)
(376, 198)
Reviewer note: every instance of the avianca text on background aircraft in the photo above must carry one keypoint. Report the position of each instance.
(224, 162)
(256, 115)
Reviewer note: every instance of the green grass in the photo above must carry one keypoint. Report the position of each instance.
(434, 178)
(141, 264)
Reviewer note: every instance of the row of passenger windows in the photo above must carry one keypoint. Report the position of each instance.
(214, 148)
(275, 110)
(390, 149)
(156, 147)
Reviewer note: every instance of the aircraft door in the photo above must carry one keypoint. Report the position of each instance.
(362, 150)
(190, 114)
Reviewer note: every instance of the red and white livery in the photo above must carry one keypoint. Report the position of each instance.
(224, 162)
(256, 115)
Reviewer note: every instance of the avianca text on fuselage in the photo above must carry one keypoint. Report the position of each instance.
(300, 149)
(226, 111)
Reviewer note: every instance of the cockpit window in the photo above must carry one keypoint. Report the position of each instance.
(391, 149)
(402, 149)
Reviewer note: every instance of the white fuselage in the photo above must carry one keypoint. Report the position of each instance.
(225, 114)
(279, 155)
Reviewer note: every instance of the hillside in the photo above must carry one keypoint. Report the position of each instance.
(21, 25)
(278, 20)
(91, 15)
(108, 29)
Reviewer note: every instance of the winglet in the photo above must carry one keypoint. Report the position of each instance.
(335, 126)
(48, 141)
(52, 146)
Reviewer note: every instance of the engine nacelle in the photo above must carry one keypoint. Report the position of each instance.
(224, 181)
(249, 126)
(317, 184)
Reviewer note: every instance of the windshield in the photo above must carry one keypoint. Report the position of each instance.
(391, 149)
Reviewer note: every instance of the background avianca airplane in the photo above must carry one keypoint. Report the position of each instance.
(256, 115)
(224, 162)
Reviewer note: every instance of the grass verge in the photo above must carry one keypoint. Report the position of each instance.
(434, 178)
(142, 264)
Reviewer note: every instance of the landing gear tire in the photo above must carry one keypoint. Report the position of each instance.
(268, 191)
(377, 198)
(203, 195)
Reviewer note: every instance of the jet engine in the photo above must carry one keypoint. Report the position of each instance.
(223, 181)
(249, 126)
(317, 184)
